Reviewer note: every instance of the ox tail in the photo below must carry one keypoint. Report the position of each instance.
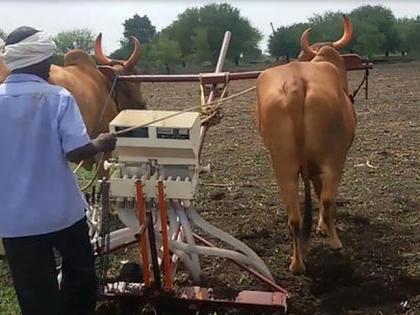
(296, 95)
(307, 216)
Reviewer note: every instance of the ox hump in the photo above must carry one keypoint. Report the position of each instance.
(78, 57)
(328, 54)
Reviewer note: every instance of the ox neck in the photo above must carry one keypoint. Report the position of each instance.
(112, 95)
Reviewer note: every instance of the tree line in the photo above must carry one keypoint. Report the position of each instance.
(194, 38)
(196, 35)
(376, 31)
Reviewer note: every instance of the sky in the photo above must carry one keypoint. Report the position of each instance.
(107, 16)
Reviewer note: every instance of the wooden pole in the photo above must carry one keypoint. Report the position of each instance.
(212, 95)
(206, 78)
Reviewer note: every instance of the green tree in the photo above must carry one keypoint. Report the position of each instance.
(375, 31)
(413, 37)
(404, 27)
(183, 29)
(163, 53)
(369, 41)
(285, 41)
(200, 44)
(409, 30)
(384, 22)
(77, 38)
(140, 27)
(216, 19)
(326, 27)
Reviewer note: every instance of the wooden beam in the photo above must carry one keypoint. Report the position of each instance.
(206, 78)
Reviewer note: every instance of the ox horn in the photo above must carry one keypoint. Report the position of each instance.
(348, 31)
(135, 55)
(99, 55)
(304, 43)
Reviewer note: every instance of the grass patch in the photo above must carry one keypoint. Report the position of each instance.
(8, 301)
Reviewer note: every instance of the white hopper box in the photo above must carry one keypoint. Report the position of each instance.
(167, 150)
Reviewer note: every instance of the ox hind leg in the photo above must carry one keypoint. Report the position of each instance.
(326, 185)
(287, 178)
(321, 229)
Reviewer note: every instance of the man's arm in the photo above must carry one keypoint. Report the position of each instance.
(105, 142)
(75, 141)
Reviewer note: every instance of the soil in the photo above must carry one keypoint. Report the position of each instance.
(378, 202)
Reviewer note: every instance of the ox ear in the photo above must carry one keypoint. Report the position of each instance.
(107, 71)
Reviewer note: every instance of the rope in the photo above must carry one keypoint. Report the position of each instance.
(218, 104)
(101, 116)
(109, 97)
(76, 169)
(95, 175)
(211, 114)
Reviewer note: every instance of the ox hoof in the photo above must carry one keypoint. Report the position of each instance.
(335, 244)
(297, 268)
(322, 230)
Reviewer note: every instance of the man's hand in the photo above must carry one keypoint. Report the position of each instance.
(105, 142)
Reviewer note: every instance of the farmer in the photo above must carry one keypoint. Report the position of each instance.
(41, 206)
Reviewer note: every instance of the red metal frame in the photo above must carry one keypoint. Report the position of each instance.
(165, 237)
(186, 297)
(197, 298)
(352, 62)
(141, 214)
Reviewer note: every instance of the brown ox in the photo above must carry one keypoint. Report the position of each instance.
(91, 85)
(307, 122)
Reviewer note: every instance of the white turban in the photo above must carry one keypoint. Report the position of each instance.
(29, 51)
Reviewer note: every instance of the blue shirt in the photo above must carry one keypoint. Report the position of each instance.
(39, 124)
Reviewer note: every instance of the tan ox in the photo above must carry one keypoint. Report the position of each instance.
(307, 122)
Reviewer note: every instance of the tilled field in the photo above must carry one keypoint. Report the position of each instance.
(378, 214)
